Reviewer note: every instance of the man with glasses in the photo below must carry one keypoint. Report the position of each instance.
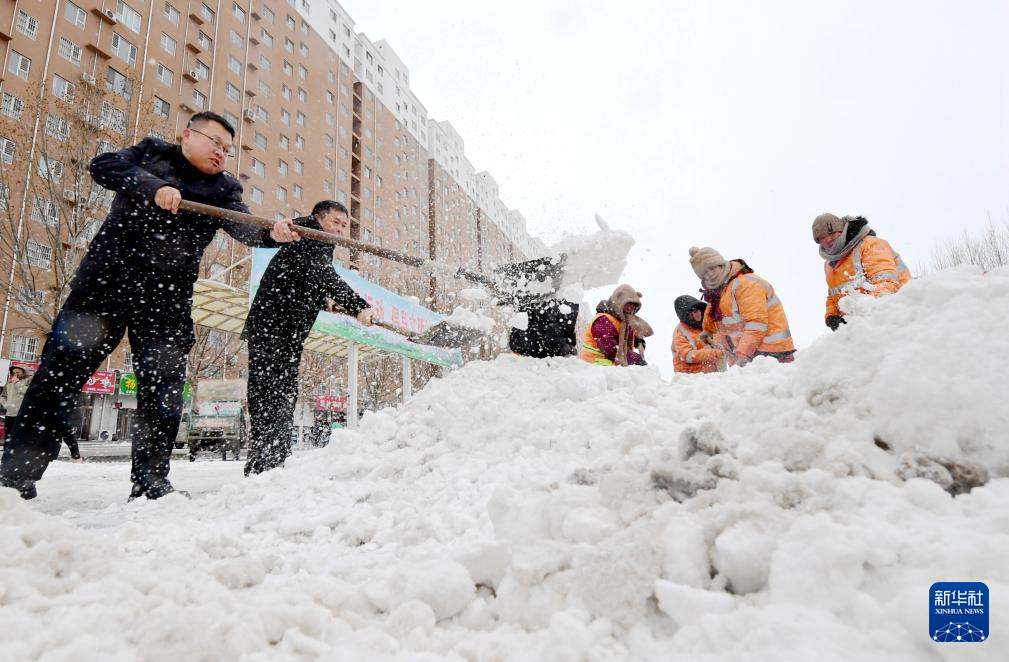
(137, 278)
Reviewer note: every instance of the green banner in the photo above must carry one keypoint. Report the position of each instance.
(128, 386)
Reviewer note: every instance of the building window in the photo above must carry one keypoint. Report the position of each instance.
(285, 92)
(205, 42)
(302, 95)
(258, 167)
(199, 99)
(113, 118)
(263, 87)
(264, 63)
(302, 71)
(299, 167)
(299, 142)
(208, 14)
(288, 45)
(45, 211)
(165, 75)
(39, 255)
(266, 38)
(297, 192)
(7, 149)
(238, 12)
(304, 49)
(128, 361)
(288, 68)
(168, 44)
(291, 23)
(69, 51)
(301, 118)
(328, 162)
(285, 143)
(19, 65)
(128, 16)
(281, 193)
(237, 39)
(234, 64)
(27, 24)
(171, 13)
(116, 82)
(24, 348)
(12, 106)
(256, 195)
(285, 116)
(77, 16)
(282, 167)
(162, 107)
(327, 186)
(202, 70)
(261, 140)
(58, 128)
(123, 48)
(268, 15)
(63, 89)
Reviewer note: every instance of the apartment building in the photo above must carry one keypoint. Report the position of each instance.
(320, 111)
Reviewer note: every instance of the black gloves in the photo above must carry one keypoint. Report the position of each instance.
(834, 321)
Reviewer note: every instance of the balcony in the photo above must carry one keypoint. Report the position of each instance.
(196, 18)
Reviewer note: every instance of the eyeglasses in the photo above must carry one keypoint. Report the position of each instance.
(227, 150)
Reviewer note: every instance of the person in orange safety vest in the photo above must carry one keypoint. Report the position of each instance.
(693, 351)
(744, 314)
(855, 260)
(616, 331)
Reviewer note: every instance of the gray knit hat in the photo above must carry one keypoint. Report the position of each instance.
(824, 224)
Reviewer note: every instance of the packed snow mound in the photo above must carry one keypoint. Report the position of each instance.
(554, 510)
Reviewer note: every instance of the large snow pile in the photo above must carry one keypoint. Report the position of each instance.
(552, 510)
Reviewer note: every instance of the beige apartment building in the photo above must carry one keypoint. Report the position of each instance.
(81, 77)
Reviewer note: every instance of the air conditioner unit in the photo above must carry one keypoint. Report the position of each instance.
(110, 14)
(194, 74)
(70, 195)
(250, 115)
(105, 435)
(88, 78)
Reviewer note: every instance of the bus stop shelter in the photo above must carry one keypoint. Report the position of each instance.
(220, 306)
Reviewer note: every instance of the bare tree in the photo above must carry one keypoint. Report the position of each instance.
(51, 208)
(987, 250)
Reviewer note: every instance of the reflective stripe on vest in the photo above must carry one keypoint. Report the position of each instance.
(860, 279)
(691, 354)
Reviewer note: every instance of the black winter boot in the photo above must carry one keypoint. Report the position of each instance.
(24, 487)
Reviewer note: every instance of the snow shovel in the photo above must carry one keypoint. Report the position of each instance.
(443, 334)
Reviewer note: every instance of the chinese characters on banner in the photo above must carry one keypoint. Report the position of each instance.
(331, 402)
(102, 382)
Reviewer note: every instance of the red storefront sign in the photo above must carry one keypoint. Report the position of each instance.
(101, 382)
(331, 402)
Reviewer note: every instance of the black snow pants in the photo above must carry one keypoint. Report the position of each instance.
(274, 359)
(87, 329)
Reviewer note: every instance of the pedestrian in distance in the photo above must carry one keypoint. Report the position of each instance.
(136, 278)
(298, 283)
(744, 315)
(616, 331)
(855, 260)
(693, 350)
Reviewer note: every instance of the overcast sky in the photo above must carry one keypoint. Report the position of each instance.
(730, 124)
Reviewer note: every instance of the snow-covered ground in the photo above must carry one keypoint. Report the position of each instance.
(553, 510)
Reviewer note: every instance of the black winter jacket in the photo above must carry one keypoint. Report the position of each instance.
(143, 249)
(294, 289)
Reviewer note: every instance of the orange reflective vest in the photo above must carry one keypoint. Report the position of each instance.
(753, 319)
(691, 355)
(872, 267)
(590, 346)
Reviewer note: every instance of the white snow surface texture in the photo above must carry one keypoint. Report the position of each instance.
(543, 510)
